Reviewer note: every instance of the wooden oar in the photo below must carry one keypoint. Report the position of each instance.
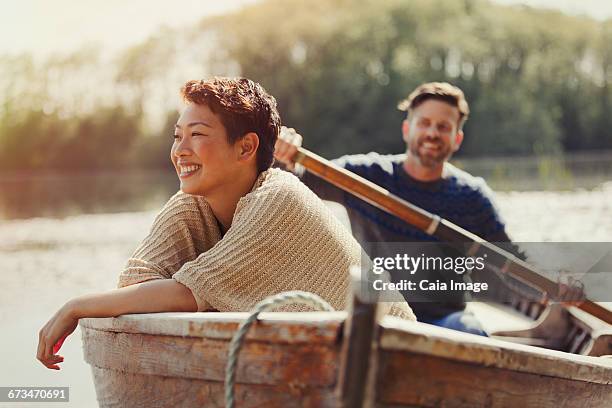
(433, 225)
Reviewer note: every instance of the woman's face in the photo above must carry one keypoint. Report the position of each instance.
(202, 156)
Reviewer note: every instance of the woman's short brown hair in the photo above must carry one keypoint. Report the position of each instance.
(441, 91)
(243, 106)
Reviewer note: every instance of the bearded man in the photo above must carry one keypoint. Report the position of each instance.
(432, 131)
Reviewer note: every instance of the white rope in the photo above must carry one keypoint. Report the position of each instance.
(281, 299)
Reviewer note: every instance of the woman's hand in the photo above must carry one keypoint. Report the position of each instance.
(52, 335)
(163, 295)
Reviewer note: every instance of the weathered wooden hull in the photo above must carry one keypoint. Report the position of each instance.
(179, 360)
(291, 360)
(470, 371)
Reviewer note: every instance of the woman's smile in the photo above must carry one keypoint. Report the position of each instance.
(188, 170)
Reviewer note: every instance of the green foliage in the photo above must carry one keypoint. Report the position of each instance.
(153, 151)
(538, 82)
(35, 140)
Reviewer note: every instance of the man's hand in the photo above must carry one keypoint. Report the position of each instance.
(286, 146)
(52, 336)
(571, 291)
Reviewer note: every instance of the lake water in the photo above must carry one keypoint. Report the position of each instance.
(66, 235)
(60, 195)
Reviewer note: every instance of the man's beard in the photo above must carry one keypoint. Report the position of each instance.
(430, 159)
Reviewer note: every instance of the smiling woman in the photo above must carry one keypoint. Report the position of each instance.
(236, 233)
(223, 139)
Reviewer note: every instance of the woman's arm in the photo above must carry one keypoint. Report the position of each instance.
(165, 295)
(183, 229)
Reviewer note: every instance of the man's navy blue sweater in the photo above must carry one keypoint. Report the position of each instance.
(459, 197)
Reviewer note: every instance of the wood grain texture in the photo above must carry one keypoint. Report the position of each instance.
(469, 348)
(411, 379)
(304, 365)
(292, 360)
(117, 389)
(310, 327)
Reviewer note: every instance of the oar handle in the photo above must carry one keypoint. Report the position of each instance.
(431, 224)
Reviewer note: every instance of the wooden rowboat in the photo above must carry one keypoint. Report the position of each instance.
(294, 360)
(331, 359)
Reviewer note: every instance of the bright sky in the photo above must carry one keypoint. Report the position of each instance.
(45, 26)
(597, 9)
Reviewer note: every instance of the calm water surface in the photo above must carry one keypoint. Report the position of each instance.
(60, 195)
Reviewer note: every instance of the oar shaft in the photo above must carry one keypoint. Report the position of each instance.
(432, 224)
(364, 189)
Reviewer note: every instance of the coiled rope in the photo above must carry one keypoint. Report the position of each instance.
(281, 299)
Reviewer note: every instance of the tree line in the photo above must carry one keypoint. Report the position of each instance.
(538, 81)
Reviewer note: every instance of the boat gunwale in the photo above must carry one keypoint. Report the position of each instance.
(395, 335)
(295, 327)
(415, 337)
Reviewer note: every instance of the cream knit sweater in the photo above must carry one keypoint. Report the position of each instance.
(282, 237)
